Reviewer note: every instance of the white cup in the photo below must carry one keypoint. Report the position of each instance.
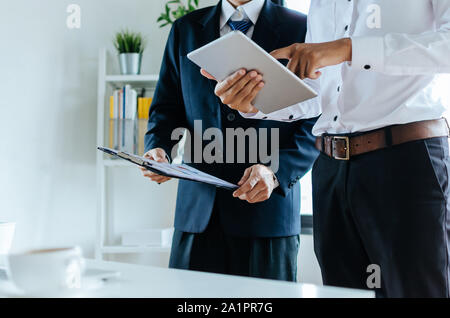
(6, 238)
(47, 270)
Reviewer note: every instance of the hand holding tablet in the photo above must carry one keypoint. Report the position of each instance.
(239, 89)
(235, 51)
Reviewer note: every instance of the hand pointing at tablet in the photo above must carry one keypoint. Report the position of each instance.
(239, 89)
(305, 59)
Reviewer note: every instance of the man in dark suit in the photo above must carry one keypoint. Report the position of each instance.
(257, 233)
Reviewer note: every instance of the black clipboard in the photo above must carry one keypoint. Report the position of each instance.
(177, 171)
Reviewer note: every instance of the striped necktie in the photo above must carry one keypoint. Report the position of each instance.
(242, 26)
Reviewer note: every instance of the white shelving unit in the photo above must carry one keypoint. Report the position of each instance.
(134, 249)
(105, 83)
(137, 81)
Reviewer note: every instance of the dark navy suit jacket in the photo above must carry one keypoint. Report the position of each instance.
(184, 95)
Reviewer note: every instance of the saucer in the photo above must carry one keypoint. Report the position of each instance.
(88, 285)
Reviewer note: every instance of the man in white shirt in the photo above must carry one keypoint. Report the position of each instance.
(381, 184)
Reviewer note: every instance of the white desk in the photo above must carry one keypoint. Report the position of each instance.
(144, 281)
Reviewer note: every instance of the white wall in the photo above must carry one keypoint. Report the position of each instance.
(48, 85)
(48, 81)
(308, 267)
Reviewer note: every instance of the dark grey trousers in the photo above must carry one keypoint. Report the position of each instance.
(215, 251)
(389, 208)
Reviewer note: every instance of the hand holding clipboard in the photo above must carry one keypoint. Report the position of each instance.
(177, 171)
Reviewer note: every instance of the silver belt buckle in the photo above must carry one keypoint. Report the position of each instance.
(347, 147)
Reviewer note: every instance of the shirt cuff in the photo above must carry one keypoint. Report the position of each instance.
(368, 53)
(275, 181)
(258, 115)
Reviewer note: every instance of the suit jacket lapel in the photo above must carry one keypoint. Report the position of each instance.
(210, 29)
(265, 33)
(210, 24)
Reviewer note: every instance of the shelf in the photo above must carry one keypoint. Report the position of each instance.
(107, 81)
(118, 249)
(117, 163)
(137, 81)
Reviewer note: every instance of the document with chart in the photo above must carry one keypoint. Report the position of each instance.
(178, 171)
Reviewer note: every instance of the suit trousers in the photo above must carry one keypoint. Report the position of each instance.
(217, 252)
(385, 214)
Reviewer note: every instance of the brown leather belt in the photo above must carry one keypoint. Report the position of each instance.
(345, 147)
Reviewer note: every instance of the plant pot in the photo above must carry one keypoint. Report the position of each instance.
(130, 63)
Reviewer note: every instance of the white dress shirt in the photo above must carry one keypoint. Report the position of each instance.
(399, 47)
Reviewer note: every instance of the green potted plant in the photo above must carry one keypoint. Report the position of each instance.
(130, 46)
(176, 9)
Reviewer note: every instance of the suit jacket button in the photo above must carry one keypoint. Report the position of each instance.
(231, 117)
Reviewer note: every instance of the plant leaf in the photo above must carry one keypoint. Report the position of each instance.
(175, 9)
(128, 42)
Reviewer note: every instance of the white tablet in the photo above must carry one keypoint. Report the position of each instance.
(234, 51)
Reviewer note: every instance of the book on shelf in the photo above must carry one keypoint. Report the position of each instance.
(128, 115)
(144, 104)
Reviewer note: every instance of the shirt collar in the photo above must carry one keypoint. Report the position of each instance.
(250, 10)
